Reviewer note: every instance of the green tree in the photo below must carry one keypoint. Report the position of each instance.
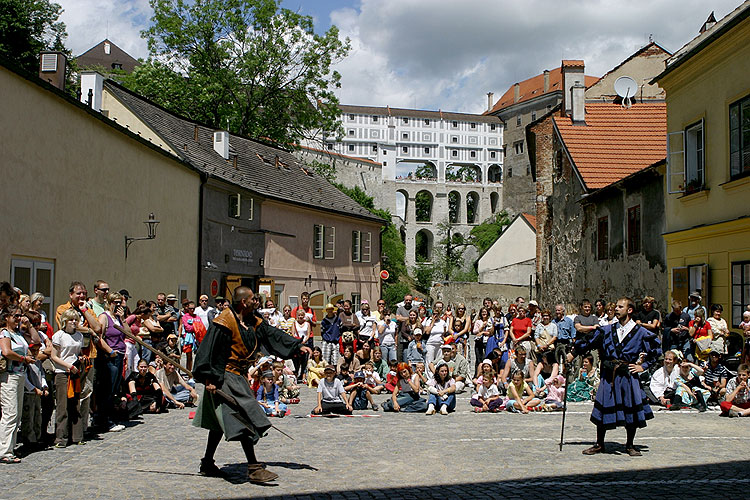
(425, 171)
(423, 206)
(248, 66)
(486, 233)
(28, 27)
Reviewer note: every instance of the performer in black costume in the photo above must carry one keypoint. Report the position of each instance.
(626, 350)
(222, 362)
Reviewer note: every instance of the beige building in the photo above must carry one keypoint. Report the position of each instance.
(75, 185)
(511, 260)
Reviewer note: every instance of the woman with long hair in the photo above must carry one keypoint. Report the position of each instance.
(15, 350)
(405, 395)
(442, 390)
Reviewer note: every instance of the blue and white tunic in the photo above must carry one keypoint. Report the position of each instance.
(620, 400)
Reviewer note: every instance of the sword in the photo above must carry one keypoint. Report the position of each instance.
(156, 351)
(236, 408)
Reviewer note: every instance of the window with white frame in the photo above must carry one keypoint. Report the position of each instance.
(32, 275)
(351, 132)
(318, 242)
(740, 290)
(324, 242)
(406, 121)
(361, 246)
(739, 138)
(351, 148)
(329, 234)
(518, 147)
(426, 151)
(694, 159)
(356, 299)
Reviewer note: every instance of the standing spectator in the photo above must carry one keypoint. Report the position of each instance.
(8, 295)
(387, 331)
(330, 333)
(379, 364)
(694, 304)
(566, 332)
(189, 319)
(98, 303)
(15, 350)
(349, 328)
(203, 310)
(406, 332)
(437, 327)
(417, 350)
(367, 324)
(149, 330)
(285, 323)
(719, 329)
(381, 310)
(442, 390)
(35, 389)
(649, 318)
(585, 322)
(109, 365)
(24, 302)
(70, 370)
(676, 331)
(166, 314)
(461, 327)
(125, 298)
(274, 315)
(402, 317)
(534, 314)
(37, 301)
(609, 317)
(309, 313)
(301, 330)
(600, 307)
(483, 328)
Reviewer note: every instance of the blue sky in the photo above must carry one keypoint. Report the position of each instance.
(446, 54)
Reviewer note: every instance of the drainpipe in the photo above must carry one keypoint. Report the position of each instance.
(204, 179)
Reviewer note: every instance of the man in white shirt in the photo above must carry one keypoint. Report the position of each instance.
(664, 378)
(203, 310)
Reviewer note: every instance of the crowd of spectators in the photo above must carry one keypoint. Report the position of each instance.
(94, 369)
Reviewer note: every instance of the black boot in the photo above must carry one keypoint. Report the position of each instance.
(209, 469)
(701, 404)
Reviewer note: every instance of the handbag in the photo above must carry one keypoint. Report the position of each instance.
(703, 345)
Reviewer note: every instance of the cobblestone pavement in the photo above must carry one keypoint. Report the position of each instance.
(463, 455)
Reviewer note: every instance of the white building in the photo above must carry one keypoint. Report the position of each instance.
(511, 260)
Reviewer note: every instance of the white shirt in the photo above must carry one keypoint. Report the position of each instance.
(203, 314)
(439, 327)
(486, 392)
(366, 324)
(68, 348)
(661, 380)
(622, 331)
(389, 334)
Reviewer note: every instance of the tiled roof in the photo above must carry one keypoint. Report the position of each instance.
(417, 113)
(531, 219)
(534, 87)
(263, 169)
(339, 155)
(616, 141)
(572, 62)
(96, 56)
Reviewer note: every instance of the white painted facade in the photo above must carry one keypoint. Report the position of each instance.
(512, 258)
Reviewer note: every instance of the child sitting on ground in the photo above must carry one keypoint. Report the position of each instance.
(361, 393)
(555, 393)
(331, 395)
(372, 379)
(737, 401)
(392, 378)
(287, 383)
(420, 377)
(520, 395)
(487, 397)
(344, 376)
(268, 396)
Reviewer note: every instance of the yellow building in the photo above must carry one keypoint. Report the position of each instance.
(708, 174)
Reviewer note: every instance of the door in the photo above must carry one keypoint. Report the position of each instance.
(318, 304)
(31, 276)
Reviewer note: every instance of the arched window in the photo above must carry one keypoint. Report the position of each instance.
(494, 202)
(423, 206)
(495, 173)
(454, 206)
(423, 246)
(402, 200)
(472, 208)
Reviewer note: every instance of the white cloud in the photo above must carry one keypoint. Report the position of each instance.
(446, 54)
(88, 23)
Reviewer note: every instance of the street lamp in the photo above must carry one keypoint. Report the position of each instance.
(151, 223)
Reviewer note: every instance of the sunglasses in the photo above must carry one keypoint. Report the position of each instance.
(17, 316)
(103, 289)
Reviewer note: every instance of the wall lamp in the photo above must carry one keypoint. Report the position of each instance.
(334, 282)
(308, 280)
(151, 223)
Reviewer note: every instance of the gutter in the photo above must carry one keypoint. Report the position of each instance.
(201, 189)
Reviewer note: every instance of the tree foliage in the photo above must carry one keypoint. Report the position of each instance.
(485, 234)
(423, 206)
(28, 27)
(248, 66)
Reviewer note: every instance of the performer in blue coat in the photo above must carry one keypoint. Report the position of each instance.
(626, 350)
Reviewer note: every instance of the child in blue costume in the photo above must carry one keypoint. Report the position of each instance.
(626, 350)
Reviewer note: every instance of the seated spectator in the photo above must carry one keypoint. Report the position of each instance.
(520, 395)
(737, 401)
(459, 366)
(689, 388)
(519, 363)
(171, 348)
(268, 396)
(417, 349)
(421, 377)
(379, 364)
(391, 379)
(175, 388)
(715, 377)
(719, 329)
(545, 335)
(143, 387)
(676, 329)
(585, 385)
(331, 395)
(700, 331)
(442, 389)
(487, 397)
(288, 388)
(315, 367)
(372, 378)
(255, 372)
(485, 369)
(661, 389)
(364, 354)
(348, 358)
(360, 393)
(344, 375)
(405, 395)
(547, 369)
(555, 393)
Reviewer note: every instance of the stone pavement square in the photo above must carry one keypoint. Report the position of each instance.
(462, 455)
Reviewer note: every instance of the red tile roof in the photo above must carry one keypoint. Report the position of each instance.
(572, 62)
(534, 87)
(531, 219)
(616, 141)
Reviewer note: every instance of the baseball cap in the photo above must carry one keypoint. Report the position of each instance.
(446, 346)
(534, 303)
(330, 368)
(171, 336)
(359, 374)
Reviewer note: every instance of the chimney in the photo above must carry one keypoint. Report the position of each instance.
(52, 68)
(578, 101)
(516, 92)
(221, 143)
(546, 81)
(91, 89)
(490, 96)
(572, 71)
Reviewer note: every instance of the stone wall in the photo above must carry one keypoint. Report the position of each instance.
(472, 294)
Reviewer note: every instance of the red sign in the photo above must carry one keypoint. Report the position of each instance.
(384, 274)
(214, 288)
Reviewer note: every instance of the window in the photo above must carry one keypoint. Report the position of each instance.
(558, 163)
(329, 146)
(404, 135)
(454, 124)
(318, 231)
(426, 121)
(35, 276)
(426, 151)
(510, 172)
(234, 206)
(405, 149)
(493, 126)
(493, 154)
(356, 299)
(473, 154)
(518, 121)
(602, 238)
(351, 117)
(351, 132)
(634, 230)
(473, 125)
(694, 157)
(740, 290)
(116, 66)
(454, 153)
(739, 137)
(518, 147)
(550, 248)
(324, 242)
(361, 246)
(374, 119)
(351, 148)
(406, 121)
(454, 139)
(374, 148)
(533, 116)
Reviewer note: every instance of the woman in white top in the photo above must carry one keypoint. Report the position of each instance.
(300, 330)
(66, 351)
(442, 389)
(436, 328)
(367, 324)
(15, 350)
(387, 333)
(719, 328)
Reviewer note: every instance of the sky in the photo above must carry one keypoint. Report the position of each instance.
(445, 54)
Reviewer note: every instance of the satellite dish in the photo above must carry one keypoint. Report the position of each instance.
(626, 88)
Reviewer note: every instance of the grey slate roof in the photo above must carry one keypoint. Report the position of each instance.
(96, 56)
(417, 113)
(263, 169)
